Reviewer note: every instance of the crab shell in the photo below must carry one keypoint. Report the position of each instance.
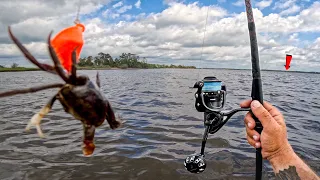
(87, 104)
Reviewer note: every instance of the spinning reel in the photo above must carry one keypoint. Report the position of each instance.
(210, 99)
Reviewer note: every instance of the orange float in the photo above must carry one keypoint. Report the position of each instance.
(66, 41)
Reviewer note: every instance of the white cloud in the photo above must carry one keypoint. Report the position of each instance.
(138, 4)
(174, 35)
(263, 4)
(283, 4)
(127, 17)
(287, 6)
(294, 38)
(238, 3)
(168, 2)
(15, 12)
(119, 4)
(123, 9)
(291, 10)
(114, 15)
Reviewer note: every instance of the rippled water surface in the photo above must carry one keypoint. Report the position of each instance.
(161, 126)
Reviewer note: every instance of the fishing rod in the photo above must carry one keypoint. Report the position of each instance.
(256, 92)
(211, 98)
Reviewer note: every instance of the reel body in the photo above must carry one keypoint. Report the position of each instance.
(211, 94)
(210, 99)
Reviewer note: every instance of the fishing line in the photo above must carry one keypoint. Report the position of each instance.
(269, 48)
(77, 21)
(204, 35)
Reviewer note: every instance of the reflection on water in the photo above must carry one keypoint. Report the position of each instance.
(161, 126)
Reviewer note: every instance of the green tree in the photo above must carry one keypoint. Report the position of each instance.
(82, 62)
(89, 61)
(14, 65)
(125, 60)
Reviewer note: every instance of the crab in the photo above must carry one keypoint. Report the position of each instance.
(79, 97)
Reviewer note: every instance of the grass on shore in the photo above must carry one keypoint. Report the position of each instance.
(18, 69)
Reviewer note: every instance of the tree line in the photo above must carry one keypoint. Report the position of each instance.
(125, 60)
(14, 65)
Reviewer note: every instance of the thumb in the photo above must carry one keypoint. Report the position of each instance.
(261, 113)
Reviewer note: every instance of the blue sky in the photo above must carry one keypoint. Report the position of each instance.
(171, 31)
(232, 6)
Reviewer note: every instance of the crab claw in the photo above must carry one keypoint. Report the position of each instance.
(36, 120)
(88, 148)
(88, 140)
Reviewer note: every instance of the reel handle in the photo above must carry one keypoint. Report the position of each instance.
(195, 163)
(213, 122)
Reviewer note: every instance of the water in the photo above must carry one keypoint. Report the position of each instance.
(161, 126)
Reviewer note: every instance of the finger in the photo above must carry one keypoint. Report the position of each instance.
(246, 103)
(275, 113)
(261, 113)
(253, 143)
(271, 109)
(258, 145)
(253, 134)
(249, 121)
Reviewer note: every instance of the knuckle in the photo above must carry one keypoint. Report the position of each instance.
(265, 114)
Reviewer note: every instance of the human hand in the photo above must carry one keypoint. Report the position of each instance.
(273, 139)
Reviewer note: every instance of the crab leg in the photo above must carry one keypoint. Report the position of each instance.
(98, 79)
(88, 144)
(73, 76)
(27, 54)
(36, 119)
(114, 124)
(29, 90)
(56, 61)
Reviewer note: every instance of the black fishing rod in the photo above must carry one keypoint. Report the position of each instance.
(211, 98)
(256, 92)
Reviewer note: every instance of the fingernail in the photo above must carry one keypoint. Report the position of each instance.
(249, 125)
(255, 137)
(256, 104)
(257, 145)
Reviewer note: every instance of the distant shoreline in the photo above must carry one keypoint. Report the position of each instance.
(18, 69)
(312, 72)
(21, 69)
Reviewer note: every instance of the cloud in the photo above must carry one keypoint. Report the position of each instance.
(263, 4)
(283, 4)
(238, 3)
(138, 4)
(172, 36)
(168, 2)
(119, 4)
(293, 9)
(127, 17)
(12, 13)
(287, 6)
(123, 9)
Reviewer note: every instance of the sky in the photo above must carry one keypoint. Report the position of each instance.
(170, 31)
